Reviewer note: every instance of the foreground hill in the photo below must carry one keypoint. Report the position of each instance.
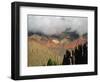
(38, 55)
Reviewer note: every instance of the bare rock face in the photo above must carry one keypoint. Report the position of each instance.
(36, 37)
(55, 41)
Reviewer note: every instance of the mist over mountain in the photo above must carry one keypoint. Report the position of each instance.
(57, 25)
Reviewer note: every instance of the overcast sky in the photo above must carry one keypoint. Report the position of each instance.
(51, 25)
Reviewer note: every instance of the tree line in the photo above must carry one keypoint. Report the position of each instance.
(79, 55)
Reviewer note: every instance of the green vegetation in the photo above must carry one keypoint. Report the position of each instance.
(51, 62)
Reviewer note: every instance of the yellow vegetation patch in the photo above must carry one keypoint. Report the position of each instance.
(38, 55)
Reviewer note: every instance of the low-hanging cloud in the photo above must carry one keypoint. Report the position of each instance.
(51, 25)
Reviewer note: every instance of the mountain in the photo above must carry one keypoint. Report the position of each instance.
(80, 41)
(41, 48)
(72, 35)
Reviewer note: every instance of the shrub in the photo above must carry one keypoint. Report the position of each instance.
(50, 62)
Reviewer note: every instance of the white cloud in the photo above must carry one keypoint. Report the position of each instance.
(56, 24)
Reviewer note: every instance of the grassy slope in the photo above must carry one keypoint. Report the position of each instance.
(38, 55)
